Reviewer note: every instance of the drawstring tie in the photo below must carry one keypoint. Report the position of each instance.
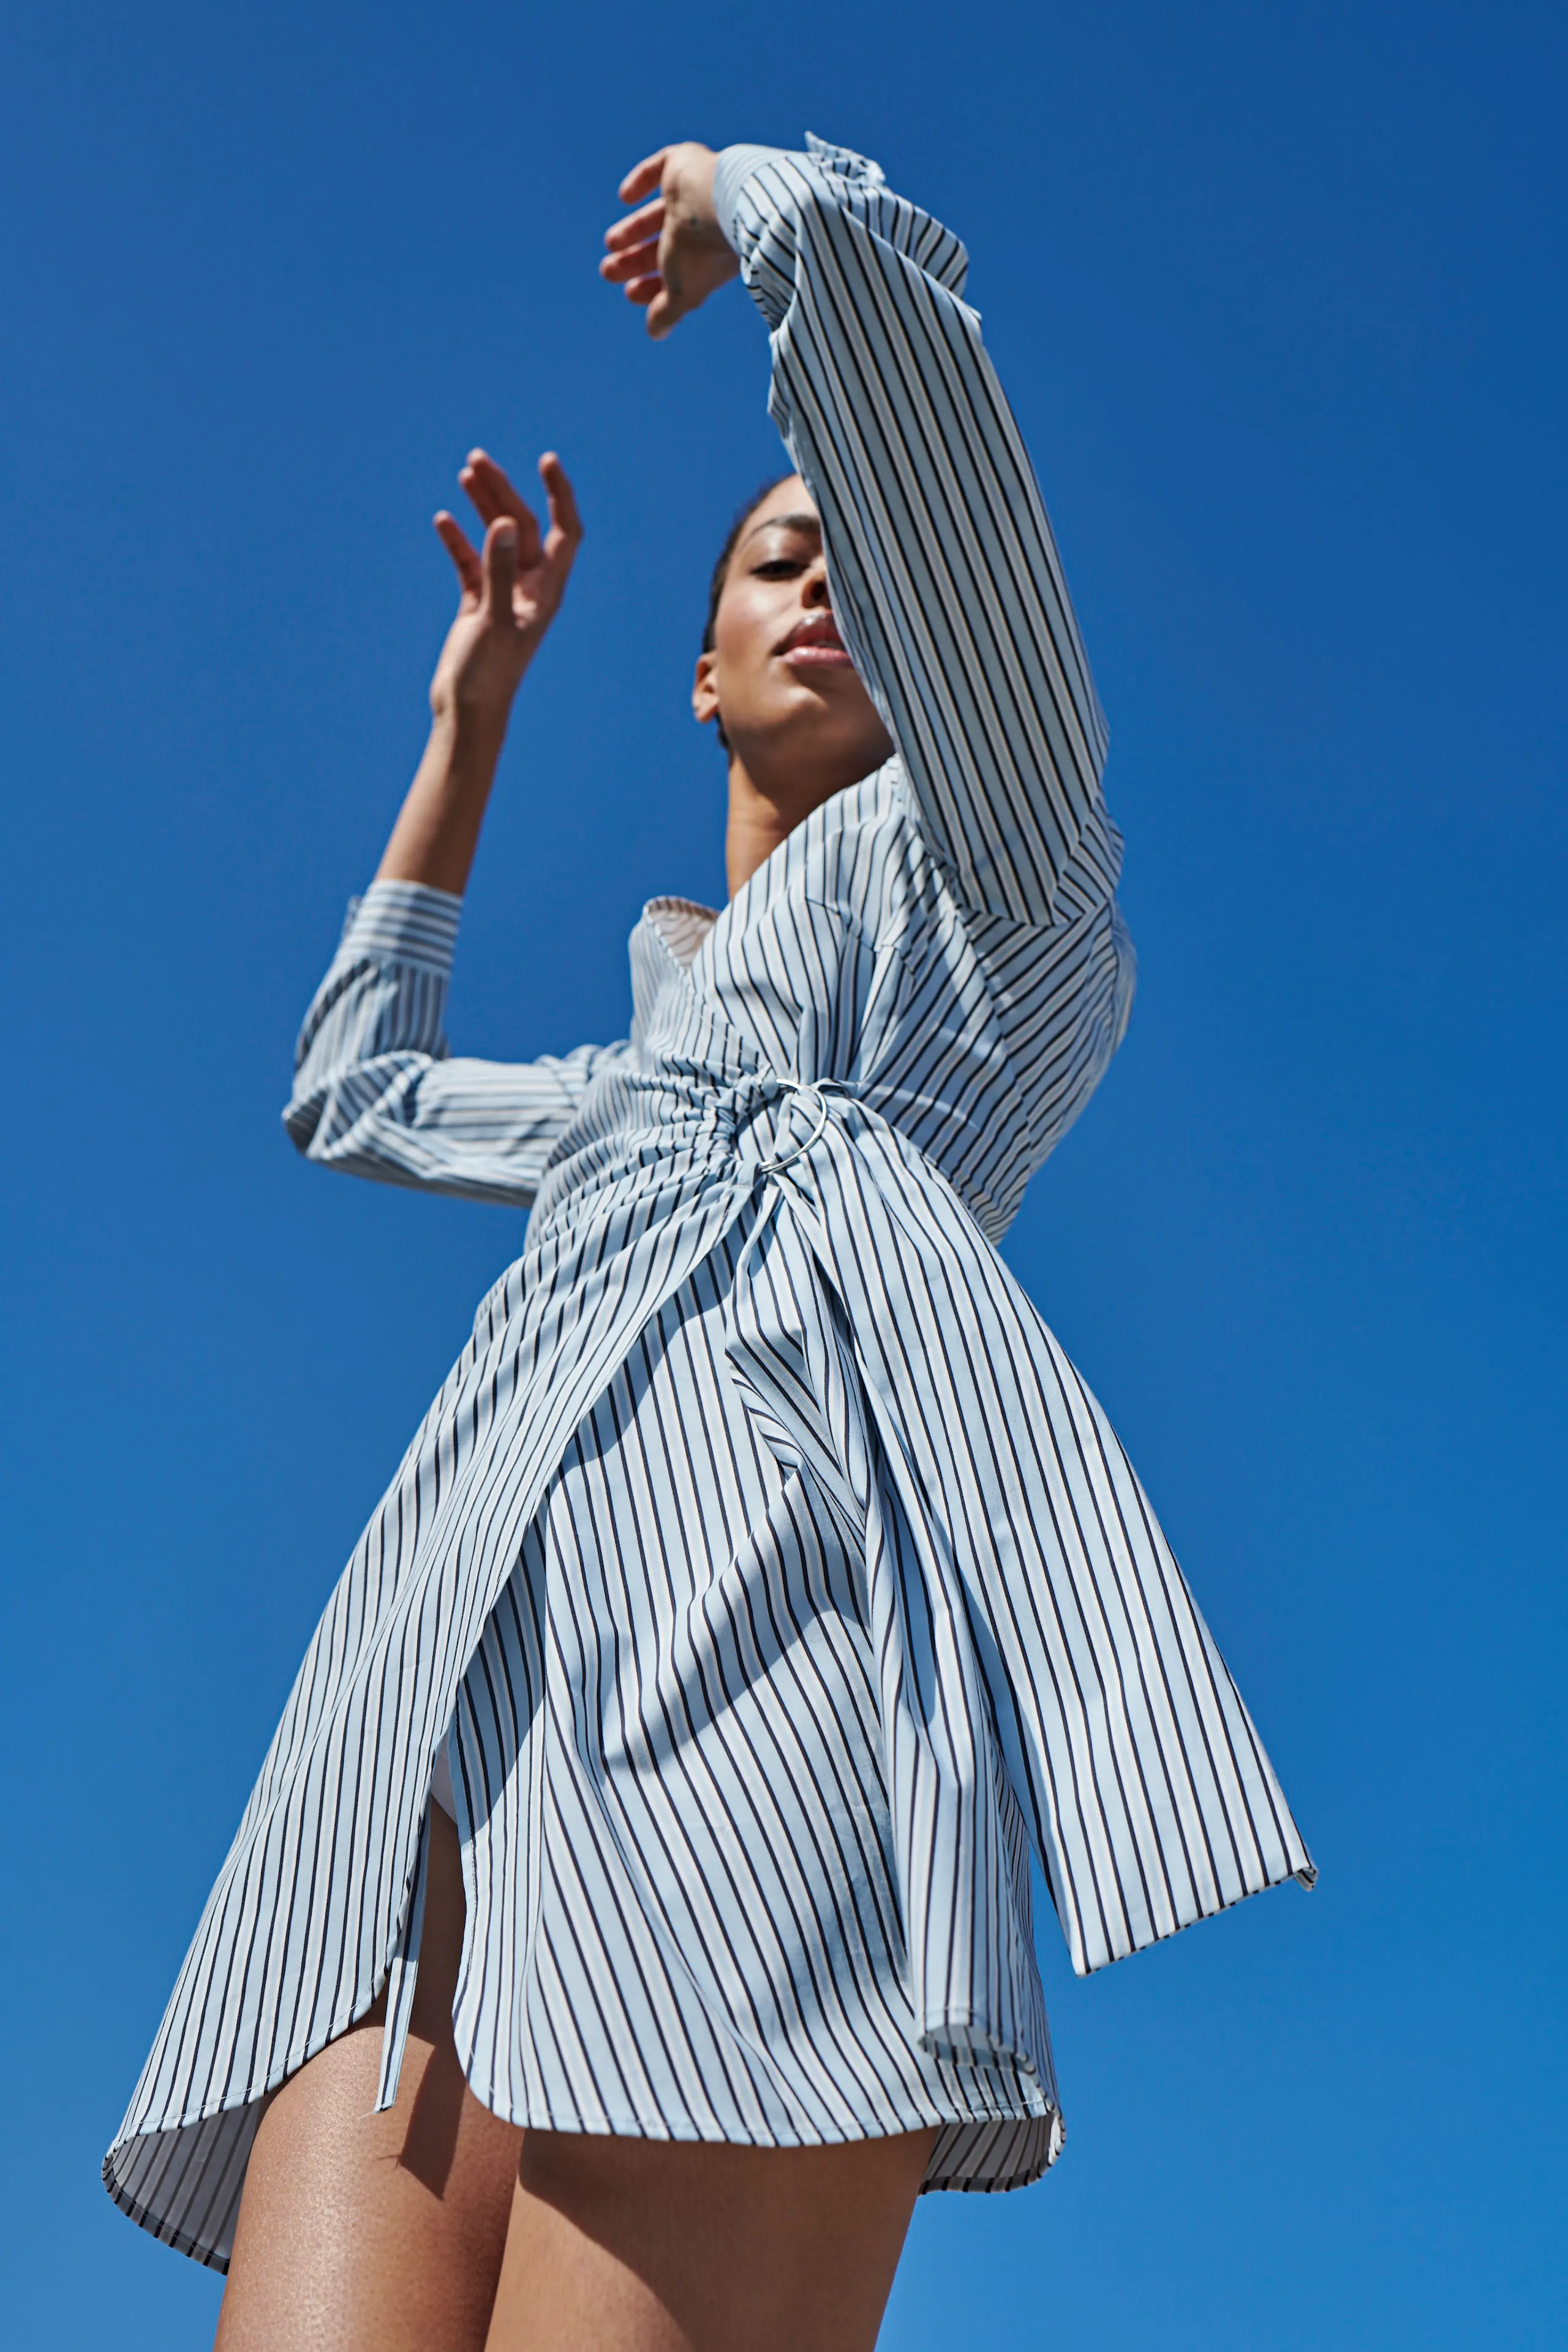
(404, 1975)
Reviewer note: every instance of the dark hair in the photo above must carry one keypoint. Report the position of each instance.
(722, 571)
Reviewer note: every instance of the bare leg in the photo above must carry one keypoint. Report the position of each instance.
(630, 2245)
(361, 2232)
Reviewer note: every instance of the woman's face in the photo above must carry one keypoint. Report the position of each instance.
(794, 710)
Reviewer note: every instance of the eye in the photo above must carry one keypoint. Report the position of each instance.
(778, 567)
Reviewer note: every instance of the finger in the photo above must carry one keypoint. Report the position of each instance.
(637, 226)
(643, 290)
(643, 177)
(470, 571)
(479, 461)
(564, 518)
(671, 302)
(481, 494)
(493, 494)
(637, 262)
(500, 569)
(489, 483)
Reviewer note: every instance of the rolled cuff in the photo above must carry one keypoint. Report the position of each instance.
(404, 922)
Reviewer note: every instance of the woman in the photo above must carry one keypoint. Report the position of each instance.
(646, 1838)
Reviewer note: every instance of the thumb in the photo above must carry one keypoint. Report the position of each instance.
(500, 567)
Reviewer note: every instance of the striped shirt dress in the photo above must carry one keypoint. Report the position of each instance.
(764, 1574)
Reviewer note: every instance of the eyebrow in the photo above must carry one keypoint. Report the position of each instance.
(785, 523)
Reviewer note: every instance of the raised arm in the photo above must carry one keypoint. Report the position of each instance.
(375, 1092)
(945, 577)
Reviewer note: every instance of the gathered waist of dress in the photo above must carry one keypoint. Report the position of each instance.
(671, 1127)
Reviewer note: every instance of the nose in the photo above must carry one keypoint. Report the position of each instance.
(813, 587)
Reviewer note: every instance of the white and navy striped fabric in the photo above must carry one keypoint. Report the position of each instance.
(771, 1574)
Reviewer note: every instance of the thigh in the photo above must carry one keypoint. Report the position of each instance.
(361, 2232)
(632, 2245)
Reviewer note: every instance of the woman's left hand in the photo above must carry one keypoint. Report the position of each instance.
(672, 254)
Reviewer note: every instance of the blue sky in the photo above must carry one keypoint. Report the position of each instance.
(1276, 292)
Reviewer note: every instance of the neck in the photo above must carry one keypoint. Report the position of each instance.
(756, 827)
(763, 814)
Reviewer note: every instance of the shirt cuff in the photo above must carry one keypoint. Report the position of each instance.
(404, 922)
(736, 165)
(734, 168)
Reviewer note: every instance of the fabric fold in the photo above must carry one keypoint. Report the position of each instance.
(1048, 1602)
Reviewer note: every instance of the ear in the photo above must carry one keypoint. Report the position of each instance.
(705, 690)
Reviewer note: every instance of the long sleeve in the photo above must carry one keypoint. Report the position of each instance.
(945, 577)
(375, 1091)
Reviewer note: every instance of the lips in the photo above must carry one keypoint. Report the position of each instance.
(815, 645)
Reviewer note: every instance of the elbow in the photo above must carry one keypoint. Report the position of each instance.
(302, 1123)
(337, 1103)
(1126, 981)
(321, 1113)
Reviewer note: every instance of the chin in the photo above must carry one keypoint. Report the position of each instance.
(843, 751)
(834, 715)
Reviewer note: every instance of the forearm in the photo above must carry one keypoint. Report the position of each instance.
(438, 827)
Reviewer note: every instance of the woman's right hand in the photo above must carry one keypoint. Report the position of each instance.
(511, 591)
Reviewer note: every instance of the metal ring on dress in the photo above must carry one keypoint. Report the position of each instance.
(793, 1088)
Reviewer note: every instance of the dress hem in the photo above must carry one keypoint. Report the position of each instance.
(628, 2127)
(637, 2128)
